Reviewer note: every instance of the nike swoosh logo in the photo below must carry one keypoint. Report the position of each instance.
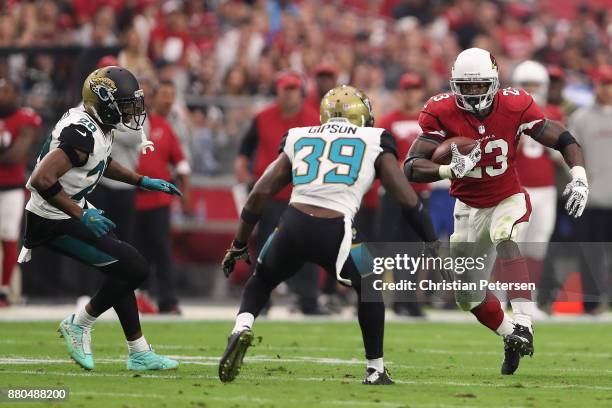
(81, 133)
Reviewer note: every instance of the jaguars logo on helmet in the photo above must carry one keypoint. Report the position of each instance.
(114, 98)
(103, 87)
(347, 102)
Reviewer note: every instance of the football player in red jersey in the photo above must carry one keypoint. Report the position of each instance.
(491, 205)
(18, 127)
(535, 164)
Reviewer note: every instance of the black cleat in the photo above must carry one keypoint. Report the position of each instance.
(516, 345)
(374, 377)
(237, 345)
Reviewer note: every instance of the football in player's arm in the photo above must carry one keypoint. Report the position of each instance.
(492, 207)
(279, 174)
(419, 168)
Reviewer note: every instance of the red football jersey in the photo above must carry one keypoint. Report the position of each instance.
(533, 162)
(156, 164)
(405, 129)
(13, 175)
(495, 177)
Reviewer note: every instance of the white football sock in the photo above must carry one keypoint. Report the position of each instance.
(506, 327)
(138, 345)
(523, 311)
(377, 364)
(243, 320)
(82, 318)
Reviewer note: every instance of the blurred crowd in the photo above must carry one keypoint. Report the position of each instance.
(225, 60)
(222, 54)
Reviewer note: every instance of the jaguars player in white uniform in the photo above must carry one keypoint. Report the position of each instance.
(331, 167)
(75, 156)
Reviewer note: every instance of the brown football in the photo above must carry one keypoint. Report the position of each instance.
(443, 154)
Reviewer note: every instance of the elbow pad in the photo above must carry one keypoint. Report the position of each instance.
(565, 139)
(420, 221)
(410, 161)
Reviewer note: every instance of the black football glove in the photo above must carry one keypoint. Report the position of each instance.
(237, 252)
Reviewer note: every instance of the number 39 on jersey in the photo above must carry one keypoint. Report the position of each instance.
(333, 164)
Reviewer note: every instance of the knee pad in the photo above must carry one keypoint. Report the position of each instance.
(132, 268)
(468, 300)
(139, 269)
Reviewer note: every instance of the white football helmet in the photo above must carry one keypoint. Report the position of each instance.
(533, 77)
(474, 65)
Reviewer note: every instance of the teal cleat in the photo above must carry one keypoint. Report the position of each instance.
(149, 360)
(78, 341)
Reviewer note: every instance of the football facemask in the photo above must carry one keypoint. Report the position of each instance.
(132, 111)
(468, 100)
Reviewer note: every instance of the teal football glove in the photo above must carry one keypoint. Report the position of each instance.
(164, 186)
(237, 252)
(98, 224)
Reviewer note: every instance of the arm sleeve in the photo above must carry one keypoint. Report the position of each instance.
(78, 137)
(387, 142)
(249, 140)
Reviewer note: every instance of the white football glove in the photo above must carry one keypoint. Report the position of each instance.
(577, 192)
(463, 164)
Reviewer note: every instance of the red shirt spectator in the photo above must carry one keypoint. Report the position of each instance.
(171, 39)
(12, 175)
(263, 139)
(405, 129)
(168, 153)
(261, 142)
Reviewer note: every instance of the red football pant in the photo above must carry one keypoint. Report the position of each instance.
(489, 313)
(515, 271)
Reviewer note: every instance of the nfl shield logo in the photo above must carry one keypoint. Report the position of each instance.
(481, 129)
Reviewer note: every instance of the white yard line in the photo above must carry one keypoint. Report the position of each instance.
(282, 313)
(258, 359)
(292, 378)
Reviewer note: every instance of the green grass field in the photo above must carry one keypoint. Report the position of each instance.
(318, 365)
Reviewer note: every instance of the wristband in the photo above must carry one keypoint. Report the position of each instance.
(579, 173)
(249, 217)
(445, 171)
(51, 191)
(238, 244)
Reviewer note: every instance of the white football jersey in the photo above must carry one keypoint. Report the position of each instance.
(77, 129)
(333, 164)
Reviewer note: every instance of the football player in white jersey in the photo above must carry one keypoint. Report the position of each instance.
(75, 156)
(331, 167)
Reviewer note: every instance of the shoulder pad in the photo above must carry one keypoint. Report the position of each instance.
(77, 136)
(514, 100)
